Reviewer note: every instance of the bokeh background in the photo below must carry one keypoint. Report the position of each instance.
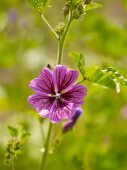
(99, 139)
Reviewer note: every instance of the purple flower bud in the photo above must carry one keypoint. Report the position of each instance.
(69, 124)
(78, 112)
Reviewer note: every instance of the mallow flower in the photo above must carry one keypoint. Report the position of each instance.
(57, 96)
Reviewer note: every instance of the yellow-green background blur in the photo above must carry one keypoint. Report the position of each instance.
(99, 139)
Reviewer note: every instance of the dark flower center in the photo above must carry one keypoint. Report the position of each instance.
(57, 96)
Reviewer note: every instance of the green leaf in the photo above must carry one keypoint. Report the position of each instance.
(79, 60)
(18, 152)
(13, 148)
(13, 131)
(24, 137)
(109, 77)
(92, 6)
(39, 5)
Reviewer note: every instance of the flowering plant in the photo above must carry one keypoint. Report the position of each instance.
(57, 95)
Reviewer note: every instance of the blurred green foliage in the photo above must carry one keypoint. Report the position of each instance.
(17, 140)
(99, 140)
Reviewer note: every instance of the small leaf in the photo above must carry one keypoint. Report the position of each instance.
(18, 152)
(13, 148)
(24, 137)
(92, 6)
(80, 61)
(39, 5)
(13, 131)
(109, 77)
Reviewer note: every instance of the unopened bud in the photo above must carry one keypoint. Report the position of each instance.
(66, 9)
(78, 11)
(49, 67)
(78, 112)
(70, 123)
(67, 126)
(87, 2)
(60, 29)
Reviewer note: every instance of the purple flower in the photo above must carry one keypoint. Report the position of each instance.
(57, 96)
(70, 123)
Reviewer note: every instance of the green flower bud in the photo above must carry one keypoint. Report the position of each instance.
(17, 145)
(66, 9)
(60, 29)
(80, 8)
(87, 2)
(78, 11)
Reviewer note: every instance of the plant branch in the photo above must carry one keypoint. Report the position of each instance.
(50, 27)
(63, 39)
(84, 78)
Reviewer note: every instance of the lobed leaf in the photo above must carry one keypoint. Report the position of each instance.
(39, 5)
(79, 60)
(13, 131)
(109, 77)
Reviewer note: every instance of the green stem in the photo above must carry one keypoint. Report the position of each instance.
(42, 132)
(84, 78)
(12, 163)
(63, 39)
(44, 156)
(60, 54)
(50, 27)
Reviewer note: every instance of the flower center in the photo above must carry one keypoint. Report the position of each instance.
(58, 96)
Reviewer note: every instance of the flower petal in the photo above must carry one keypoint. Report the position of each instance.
(59, 111)
(67, 110)
(64, 78)
(43, 83)
(44, 113)
(54, 113)
(40, 102)
(75, 94)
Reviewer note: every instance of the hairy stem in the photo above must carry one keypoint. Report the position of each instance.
(63, 39)
(44, 156)
(50, 27)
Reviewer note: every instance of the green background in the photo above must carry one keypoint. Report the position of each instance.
(99, 139)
